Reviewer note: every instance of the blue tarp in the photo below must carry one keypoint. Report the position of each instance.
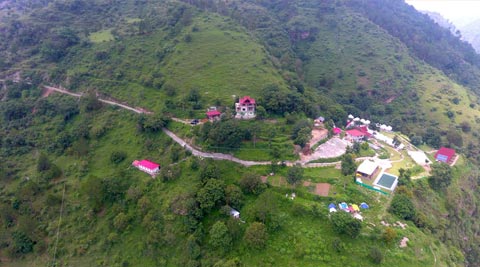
(364, 205)
(331, 206)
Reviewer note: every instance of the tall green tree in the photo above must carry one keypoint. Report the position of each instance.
(234, 196)
(227, 134)
(256, 235)
(265, 210)
(403, 207)
(295, 175)
(220, 237)
(43, 163)
(303, 136)
(211, 194)
(348, 164)
(251, 183)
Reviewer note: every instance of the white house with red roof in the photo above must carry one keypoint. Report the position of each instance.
(245, 108)
(147, 166)
(357, 134)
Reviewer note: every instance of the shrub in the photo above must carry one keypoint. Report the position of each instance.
(120, 222)
(22, 244)
(389, 235)
(252, 184)
(376, 255)
(403, 207)
(344, 223)
(117, 156)
(43, 163)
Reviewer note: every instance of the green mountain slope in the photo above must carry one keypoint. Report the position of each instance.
(373, 74)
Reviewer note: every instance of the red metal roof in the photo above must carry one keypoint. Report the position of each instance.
(213, 113)
(448, 152)
(355, 132)
(337, 130)
(364, 129)
(148, 164)
(246, 100)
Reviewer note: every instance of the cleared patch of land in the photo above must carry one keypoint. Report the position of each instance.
(101, 36)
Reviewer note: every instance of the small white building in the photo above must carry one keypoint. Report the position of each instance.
(235, 213)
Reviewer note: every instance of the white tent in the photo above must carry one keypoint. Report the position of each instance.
(350, 116)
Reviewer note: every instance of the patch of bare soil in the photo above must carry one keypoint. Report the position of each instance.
(317, 135)
(322, 189)
(390, 99)
(46, 92)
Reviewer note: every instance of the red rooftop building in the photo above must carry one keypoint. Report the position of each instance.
(445, 155)
(213, 115)
(336, 131)
(358, 134)
(147, 166)
(245, 108)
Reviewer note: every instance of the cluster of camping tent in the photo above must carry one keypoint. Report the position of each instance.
(357, 120)
(354, 209)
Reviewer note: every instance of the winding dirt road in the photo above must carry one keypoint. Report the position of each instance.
(180, 141)
(196, 152)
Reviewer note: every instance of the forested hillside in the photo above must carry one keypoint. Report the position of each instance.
(69, 195)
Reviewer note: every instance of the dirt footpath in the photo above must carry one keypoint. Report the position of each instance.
(318, 135)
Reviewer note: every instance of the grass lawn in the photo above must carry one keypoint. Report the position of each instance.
(406, 163)
(220, 61)
(322, 175)
(101, 36)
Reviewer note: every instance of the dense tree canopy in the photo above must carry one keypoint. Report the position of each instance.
(441, 176)
(256, 235)
(220, 238)
(403, 207)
